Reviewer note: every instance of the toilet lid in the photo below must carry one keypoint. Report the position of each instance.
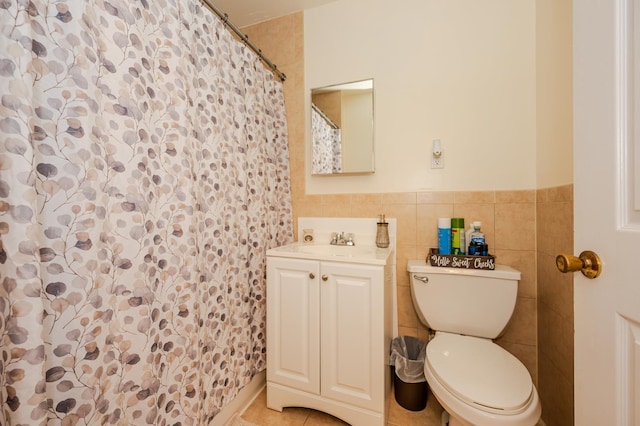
(480, 373)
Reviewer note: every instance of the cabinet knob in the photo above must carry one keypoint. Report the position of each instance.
(324, 278)
(311, 275)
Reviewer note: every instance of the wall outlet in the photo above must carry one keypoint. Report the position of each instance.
(437, 156)
(437, 162)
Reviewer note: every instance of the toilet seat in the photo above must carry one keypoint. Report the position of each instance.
(480, 373)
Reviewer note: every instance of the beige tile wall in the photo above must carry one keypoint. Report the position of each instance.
(555, 305)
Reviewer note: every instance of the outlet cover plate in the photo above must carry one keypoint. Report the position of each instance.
(437, 162)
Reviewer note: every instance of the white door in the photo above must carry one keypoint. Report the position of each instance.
(607, 210)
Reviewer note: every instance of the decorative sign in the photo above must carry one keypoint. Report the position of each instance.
(461, 261)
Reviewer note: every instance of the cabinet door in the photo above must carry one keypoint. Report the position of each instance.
(352, 333)
(293, 330)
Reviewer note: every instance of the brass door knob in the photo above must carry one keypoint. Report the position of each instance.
(324, 278)
(588, 262)
(311, 275)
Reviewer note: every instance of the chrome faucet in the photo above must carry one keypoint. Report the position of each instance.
(342, 240)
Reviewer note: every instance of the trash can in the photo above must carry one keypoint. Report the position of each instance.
(407, 363)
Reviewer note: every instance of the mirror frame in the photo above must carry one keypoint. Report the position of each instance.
(366, 85)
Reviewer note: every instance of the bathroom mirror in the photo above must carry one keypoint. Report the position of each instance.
(342, 129)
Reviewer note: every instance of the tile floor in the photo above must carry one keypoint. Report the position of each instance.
(259, 414)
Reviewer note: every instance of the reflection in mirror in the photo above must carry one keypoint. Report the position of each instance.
(342, 128)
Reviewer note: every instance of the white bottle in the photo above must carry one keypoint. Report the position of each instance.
(467, 236)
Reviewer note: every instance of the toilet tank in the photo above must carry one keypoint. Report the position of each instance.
(464, 301)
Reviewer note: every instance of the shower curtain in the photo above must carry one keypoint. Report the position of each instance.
(327, 146)
(143, 175)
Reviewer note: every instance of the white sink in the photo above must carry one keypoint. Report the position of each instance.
(342, 251)
(355, 254)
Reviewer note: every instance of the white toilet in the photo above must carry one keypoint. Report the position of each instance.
(474, 379)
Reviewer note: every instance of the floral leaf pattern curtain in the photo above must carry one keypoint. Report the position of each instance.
(143, 174)
(327, 147)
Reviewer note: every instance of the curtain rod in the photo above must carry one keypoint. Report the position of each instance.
(324, 116)
(244, 38)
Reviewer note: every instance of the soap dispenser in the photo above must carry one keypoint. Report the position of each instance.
(382, 236)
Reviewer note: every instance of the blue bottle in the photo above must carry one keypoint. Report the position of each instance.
(478, 244)
(444, 235)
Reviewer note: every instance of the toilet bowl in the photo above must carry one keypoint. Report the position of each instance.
(475, 380)
(479, 383)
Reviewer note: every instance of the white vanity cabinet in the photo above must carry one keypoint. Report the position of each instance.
(328, 336)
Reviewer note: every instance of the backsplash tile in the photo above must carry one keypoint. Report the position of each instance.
(435, 197)
(475, 197)
(554, 212)
(522, 328)
(515, 226)
(426, 222)
(407, 221)
(399, 198)
(525, 262)
(479, 212)
(524, 196)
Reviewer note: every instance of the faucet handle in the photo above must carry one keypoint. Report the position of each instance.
(334, 238)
